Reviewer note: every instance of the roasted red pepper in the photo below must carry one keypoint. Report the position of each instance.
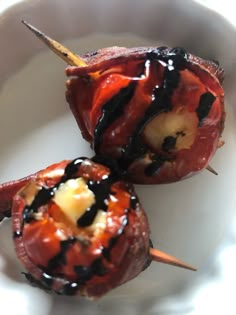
(79, 229)
(158, 111)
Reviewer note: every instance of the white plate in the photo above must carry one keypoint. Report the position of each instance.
(193, 219)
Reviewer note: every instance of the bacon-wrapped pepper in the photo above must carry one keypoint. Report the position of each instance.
(80, 230)
(158, 111)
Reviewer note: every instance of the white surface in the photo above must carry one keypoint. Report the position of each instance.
(194, 220)
(5, 4)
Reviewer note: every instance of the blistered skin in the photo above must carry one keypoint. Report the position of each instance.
(79, 230)
(158, 111)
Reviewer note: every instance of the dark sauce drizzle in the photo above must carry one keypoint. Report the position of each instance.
(157, 161)
(85, 274)
(102, 190)
(46, 194)
(113, 240)
(60, 259)
(205, 104)
(17, 234)
(174, 61)
(111, 110)
(117, 172)
(169, 143)
(42, 198)
(5, 214)
(134, 201)
(45, 283)
(47, 280)
(70, 288)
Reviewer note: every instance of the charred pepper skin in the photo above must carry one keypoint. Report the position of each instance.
(84, 252)
(158, 111)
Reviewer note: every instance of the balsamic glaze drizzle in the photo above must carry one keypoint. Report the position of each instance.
(84, 274)
(112, 110)
(70, 288)
(169, 143)
(133, 201)
(205, 104)
(44, 284)
(174, 61)
(106, 252)
(88, 217)
(117, 172)
(46, 194)
(47, 280)
(17, 234)
(5, 214)
(60, 259)
(157, 161)
(101, 189)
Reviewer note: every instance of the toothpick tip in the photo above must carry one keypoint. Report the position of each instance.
(25, 23)
(162, 257)
(211, 170)
(63, 52)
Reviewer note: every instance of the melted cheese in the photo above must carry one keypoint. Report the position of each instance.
(99, 222)
(181, 125)
(74, 197)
